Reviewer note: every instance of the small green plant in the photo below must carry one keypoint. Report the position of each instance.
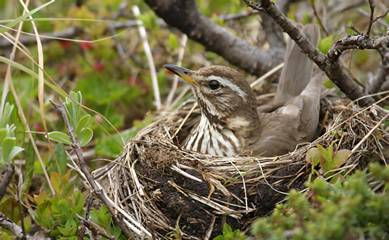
(347, 209)
(326, 43)
(327, 158)
(80, 121)
(59, 213)
(8, 148)
(230, 234)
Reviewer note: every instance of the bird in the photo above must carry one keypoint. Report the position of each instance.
(231, 123)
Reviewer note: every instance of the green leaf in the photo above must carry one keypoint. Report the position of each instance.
(172, 42)
(15, 151)
(85, 136)
(340, 157)
(6, 148)
(5, 117)
(326, 43)
(85, 122)
(329, 84)
(313, 156)
(69, 229)
(3, 133)
(58, 162)
(59, 137)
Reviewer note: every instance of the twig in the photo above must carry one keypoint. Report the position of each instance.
(7, 176)
(356, 42)
(266, 75)
(237, 16)
(371, 20)
(11, 226)
(149, 56)
(369, 133)
(185, 16)
(97, 190)
(334, 70)
(318, 18)
(96, 229)
(67, 34)
(19, 174)
(81, 230)
(381, 16)
(181, 52)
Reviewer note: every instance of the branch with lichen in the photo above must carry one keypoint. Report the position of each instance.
(328, 63)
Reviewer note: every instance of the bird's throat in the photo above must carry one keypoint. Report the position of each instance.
(213, 138)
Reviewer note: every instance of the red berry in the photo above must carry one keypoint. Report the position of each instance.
(38, 127)
(98, 66)
(132, 80)
(65, 44)
(86, 46)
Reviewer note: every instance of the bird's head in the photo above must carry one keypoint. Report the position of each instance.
(222, 92)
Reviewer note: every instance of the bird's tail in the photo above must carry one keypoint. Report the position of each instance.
(297, 70)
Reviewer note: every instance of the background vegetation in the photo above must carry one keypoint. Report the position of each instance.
(97, 65)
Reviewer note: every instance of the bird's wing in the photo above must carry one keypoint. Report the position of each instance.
(297, 70)
(278, 134)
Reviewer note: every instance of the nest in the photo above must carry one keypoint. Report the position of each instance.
(162, 191)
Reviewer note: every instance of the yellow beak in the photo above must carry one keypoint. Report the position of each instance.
(183, 73)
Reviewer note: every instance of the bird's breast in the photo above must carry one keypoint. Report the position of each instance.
(213, 139)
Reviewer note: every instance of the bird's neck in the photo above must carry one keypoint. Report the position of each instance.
(213, 138)
(223, 137)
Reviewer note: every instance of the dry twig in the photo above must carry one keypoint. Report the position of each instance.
(185, 16)
(333, 68)
(97, 190)
(7, 176)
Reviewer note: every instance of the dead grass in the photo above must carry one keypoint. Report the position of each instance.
(162, 186)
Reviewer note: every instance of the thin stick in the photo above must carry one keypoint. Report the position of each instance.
(7, 176)
(266, 75)
(184, 120)
(369, 133)
(11, 226)
(149, 56)
(85, 170)
(319, 21)
(371, 20)
(181, 52)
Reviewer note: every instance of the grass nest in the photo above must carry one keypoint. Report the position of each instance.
(162, 191)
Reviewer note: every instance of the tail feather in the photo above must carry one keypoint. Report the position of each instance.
(297, 70)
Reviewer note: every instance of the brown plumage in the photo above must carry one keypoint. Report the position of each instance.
(231, 123)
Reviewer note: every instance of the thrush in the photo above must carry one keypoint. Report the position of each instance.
(231, 123)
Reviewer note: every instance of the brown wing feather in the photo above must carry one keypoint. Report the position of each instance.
(297, 70)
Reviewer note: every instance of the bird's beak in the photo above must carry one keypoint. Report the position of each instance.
(183, 73)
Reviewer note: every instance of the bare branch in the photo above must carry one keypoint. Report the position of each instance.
(334, 70)
(7, 176)
(185, 16)
(85, 170)
(238, 16)
(318, 18)
(11, 226)
(356, 42)
(68, 33)
(81, 229)
(371, 20)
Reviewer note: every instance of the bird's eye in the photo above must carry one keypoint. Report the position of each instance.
(214, 84)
